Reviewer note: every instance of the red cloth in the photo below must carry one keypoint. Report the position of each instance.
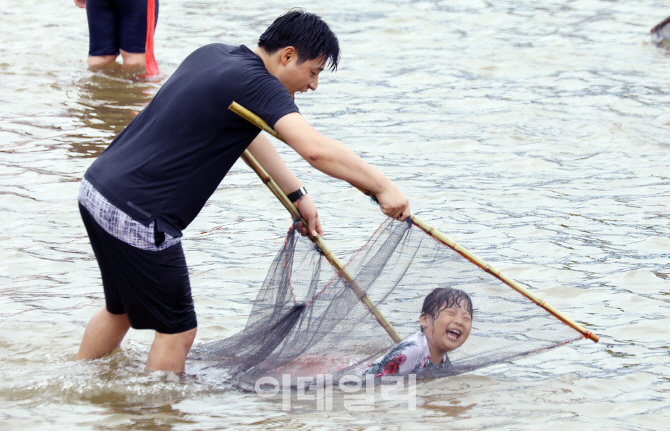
(150, 65)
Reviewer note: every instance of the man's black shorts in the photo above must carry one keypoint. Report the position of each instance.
(151, 287)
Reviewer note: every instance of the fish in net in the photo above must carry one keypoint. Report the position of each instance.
(308, 318)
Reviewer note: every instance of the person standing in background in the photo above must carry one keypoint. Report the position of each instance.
(123, 27)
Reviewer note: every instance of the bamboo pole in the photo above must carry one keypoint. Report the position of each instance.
(496, 273)
(318, 241)
(254, 119)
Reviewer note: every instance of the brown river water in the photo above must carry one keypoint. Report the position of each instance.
(535, 133)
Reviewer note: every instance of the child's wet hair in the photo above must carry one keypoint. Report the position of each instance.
(445, 297)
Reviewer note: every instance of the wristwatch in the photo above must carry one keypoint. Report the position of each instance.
(297, 194)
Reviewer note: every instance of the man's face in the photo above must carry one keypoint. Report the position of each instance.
(449, 329)
(300, 77)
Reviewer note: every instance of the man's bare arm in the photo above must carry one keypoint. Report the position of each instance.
(335, 159)
(266, 154)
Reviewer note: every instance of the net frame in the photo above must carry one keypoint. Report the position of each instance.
(318, 241)
(306, 322)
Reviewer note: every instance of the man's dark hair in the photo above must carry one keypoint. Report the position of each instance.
(445, 297)
(307, 33)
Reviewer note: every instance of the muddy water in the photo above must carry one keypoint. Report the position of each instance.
(534, 133)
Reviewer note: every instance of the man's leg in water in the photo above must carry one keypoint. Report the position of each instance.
(103, 334)
(168, 351)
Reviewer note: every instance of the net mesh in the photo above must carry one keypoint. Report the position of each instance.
(307, 319)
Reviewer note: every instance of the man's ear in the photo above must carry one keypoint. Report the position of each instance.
(288, 54)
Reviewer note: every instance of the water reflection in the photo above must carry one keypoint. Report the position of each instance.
(107, 101)
(140, 417)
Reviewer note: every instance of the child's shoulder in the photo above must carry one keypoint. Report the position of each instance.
(403, 357)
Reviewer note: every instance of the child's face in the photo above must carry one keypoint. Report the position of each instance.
(449, 330)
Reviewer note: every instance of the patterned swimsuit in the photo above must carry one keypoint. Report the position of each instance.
(409, 356)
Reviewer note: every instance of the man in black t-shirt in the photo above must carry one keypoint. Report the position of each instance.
(156, 176)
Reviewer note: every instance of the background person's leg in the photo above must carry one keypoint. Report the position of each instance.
(100, 61)
(133, 60)
(133, 31)
(103, 29)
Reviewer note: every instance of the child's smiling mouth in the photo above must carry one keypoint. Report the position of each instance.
(453, 334)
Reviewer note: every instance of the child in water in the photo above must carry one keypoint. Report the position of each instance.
(446, 320)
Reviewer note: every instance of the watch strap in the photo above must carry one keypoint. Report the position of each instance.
(297, 194)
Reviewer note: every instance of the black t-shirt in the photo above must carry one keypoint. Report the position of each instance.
(173, 155)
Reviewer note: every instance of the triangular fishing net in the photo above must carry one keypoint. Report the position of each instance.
(308, 320)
